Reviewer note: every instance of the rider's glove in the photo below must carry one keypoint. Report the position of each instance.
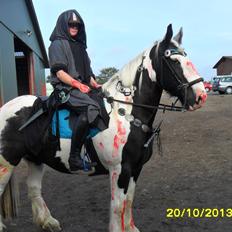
(83, 88)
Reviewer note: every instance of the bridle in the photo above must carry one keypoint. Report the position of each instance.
(182, 85)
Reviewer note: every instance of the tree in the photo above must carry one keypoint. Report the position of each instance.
(106, 74)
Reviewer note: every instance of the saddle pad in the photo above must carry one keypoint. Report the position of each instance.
(65, 130)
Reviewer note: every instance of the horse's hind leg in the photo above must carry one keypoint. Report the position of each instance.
(6, 170)
(41, 214)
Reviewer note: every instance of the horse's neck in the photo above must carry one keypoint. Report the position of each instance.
(146, 91)
(151, 98)
(149, 94)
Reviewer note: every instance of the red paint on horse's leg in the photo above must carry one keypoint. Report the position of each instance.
(114, 176)
(132, 224)
(122, 216)
(3, 170)
(111, 227)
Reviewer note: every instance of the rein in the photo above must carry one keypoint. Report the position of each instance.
(163, 107)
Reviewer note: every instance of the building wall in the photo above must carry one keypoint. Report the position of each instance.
(225, 67)
(14, 22)
(39, 73)
(7, 65)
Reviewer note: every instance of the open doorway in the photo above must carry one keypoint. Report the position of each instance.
(22, 54)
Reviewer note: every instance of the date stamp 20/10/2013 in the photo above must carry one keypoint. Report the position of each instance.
(199, 213)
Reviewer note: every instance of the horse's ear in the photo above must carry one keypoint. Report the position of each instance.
(168, 36)
(178, 36)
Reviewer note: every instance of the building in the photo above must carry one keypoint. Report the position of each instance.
(224, 66)
(23, 56)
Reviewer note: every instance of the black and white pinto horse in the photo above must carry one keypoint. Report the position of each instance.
(120, 148)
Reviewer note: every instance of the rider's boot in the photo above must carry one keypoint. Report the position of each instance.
(78, 139)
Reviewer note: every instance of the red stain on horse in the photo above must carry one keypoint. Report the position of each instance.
(101, 146)
(132, 224)
(119, 138)
(114, 176)
(122, 216)
(3, 170)
(189, 63)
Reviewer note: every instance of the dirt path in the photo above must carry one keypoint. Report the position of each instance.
(195, 171)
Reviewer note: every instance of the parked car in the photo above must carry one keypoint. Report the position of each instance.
(225, 85)
(208, 86)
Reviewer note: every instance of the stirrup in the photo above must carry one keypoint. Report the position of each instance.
(87, 167)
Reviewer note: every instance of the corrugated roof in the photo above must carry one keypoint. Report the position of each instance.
(35, 23)
(221, 60)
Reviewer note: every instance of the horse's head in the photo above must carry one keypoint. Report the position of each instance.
(175, 73)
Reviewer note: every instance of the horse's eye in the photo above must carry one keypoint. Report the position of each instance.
(167, 53)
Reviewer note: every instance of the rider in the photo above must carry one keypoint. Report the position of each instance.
(70, 68)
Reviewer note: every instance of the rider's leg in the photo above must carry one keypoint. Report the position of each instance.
(41, 214)
(78, 139)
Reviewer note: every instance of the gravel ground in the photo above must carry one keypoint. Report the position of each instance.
(194, 172)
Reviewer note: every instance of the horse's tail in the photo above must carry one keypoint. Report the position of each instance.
(10, 198)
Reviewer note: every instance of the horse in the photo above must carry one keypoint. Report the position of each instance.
(135, 92)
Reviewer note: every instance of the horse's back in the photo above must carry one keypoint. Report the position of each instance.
(10, 108)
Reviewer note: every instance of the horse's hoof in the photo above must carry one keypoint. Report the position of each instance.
(51, 224)
(136, 229)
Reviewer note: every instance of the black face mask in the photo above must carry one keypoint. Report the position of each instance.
(74, 25)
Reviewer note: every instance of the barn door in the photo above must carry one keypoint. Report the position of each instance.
(22, 61)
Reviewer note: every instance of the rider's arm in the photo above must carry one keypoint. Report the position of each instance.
(93, 83)
(67, 79)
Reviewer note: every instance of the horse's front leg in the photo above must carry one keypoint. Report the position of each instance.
(122, 195)
(41, 214)
(129, 220)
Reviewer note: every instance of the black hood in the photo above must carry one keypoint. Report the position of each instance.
(61, 29)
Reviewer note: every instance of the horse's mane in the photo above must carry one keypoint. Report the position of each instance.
(128, 72)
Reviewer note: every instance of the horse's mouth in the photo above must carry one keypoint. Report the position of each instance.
(197, 105)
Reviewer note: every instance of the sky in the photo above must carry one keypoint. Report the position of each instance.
(117, 31)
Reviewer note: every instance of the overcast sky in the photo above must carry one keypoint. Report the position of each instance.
(119, 30)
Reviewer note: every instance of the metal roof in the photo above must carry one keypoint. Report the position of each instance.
(35, 23)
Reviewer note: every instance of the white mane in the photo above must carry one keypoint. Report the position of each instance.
(127, 74)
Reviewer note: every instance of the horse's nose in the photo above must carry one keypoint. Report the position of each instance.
(203, 97)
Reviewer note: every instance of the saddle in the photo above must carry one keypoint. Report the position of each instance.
(50, 117)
